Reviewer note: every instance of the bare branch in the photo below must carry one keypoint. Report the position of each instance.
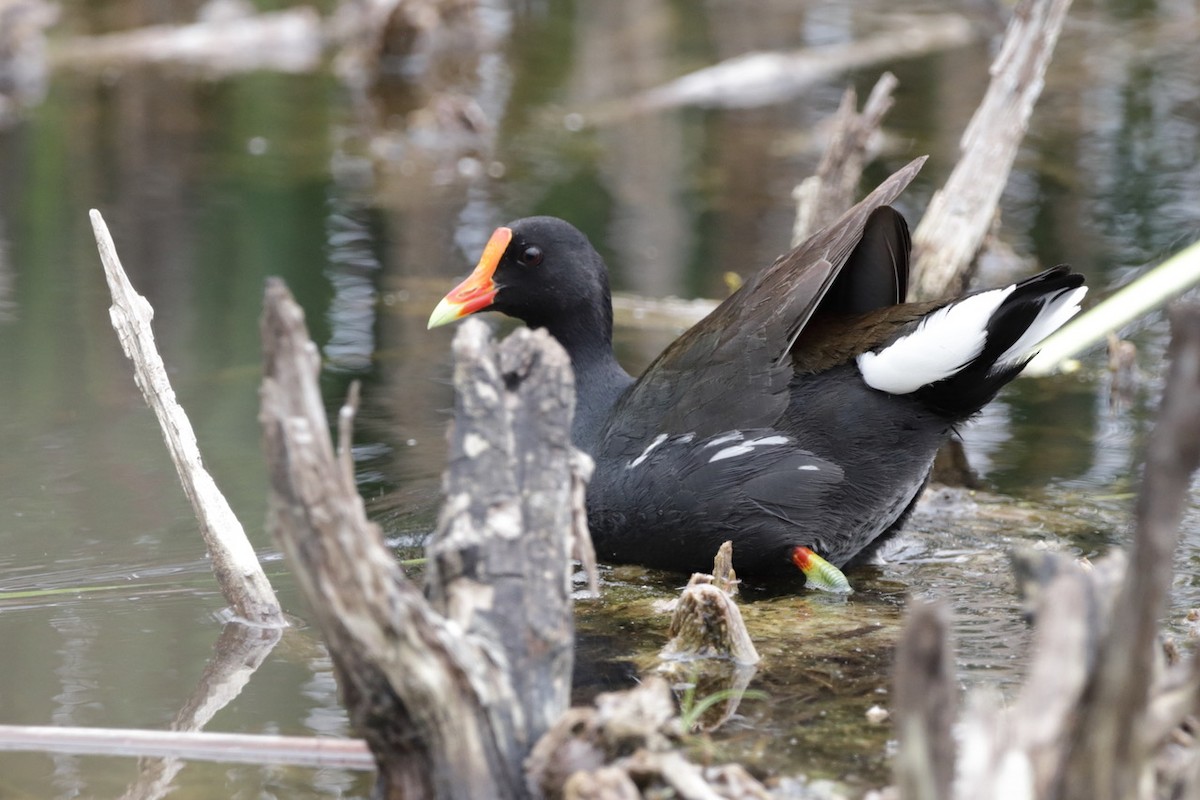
(961, 212)
(234, 562)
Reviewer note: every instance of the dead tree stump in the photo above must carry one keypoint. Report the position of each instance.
(1106, 711)
(450, 693)
(500, 559)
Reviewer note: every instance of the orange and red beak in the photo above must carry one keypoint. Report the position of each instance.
(479, 289)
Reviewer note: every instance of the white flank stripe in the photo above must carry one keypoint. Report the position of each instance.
(945, 342)
(662, 437)
(730, 452)
(732, 436)
(746, 447)
(1052, 316)
(779, 439)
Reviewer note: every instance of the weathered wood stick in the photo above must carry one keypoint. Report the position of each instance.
(451, 693)
(1109, 757)
(232, 748)
(241, 577)
(407, 682)
(821, 198)
(925, 704)
(959, 215)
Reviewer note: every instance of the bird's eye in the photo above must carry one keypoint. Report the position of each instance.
(531, 256)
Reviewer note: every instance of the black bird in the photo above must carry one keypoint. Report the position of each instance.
(802, 415)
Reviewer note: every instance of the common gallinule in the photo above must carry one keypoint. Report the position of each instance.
(802, 415)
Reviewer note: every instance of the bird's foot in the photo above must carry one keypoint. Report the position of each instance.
(819, 573)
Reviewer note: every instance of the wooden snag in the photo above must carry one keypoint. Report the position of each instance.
(450, 693)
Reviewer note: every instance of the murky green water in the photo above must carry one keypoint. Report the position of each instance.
(209, 186)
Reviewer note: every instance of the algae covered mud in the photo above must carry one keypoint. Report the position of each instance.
(815, 699)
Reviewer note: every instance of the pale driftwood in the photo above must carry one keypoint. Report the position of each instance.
(1175, 275)
(449, 704)
(240, 576)
(707, 622)
(1101, 713)
(1108, 756)
(598, 752)
(925, 703)
(231, 748)
(291, 40)
(500, 557)
(960, 213)
(821, 198)
(762, 78)
(24, 74)
(238, 653)
(410, 687)
(710, 649)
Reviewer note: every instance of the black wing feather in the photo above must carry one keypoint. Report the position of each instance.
(731, 370)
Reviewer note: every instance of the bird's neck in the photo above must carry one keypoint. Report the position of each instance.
(599, 378)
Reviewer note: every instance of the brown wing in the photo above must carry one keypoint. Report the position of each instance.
(731, 370)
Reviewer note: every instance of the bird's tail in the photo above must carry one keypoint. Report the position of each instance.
(958, 356)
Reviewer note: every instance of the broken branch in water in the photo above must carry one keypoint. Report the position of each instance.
(959, 215)
(240, 576)
(452, 691)
(821, 198)
(756, 79)
(453, 686)
(231, 748)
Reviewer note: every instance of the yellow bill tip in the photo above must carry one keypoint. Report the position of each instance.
(479, 290)
(445, 313)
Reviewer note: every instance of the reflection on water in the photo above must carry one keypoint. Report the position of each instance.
(352, 271)
(210, 186)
